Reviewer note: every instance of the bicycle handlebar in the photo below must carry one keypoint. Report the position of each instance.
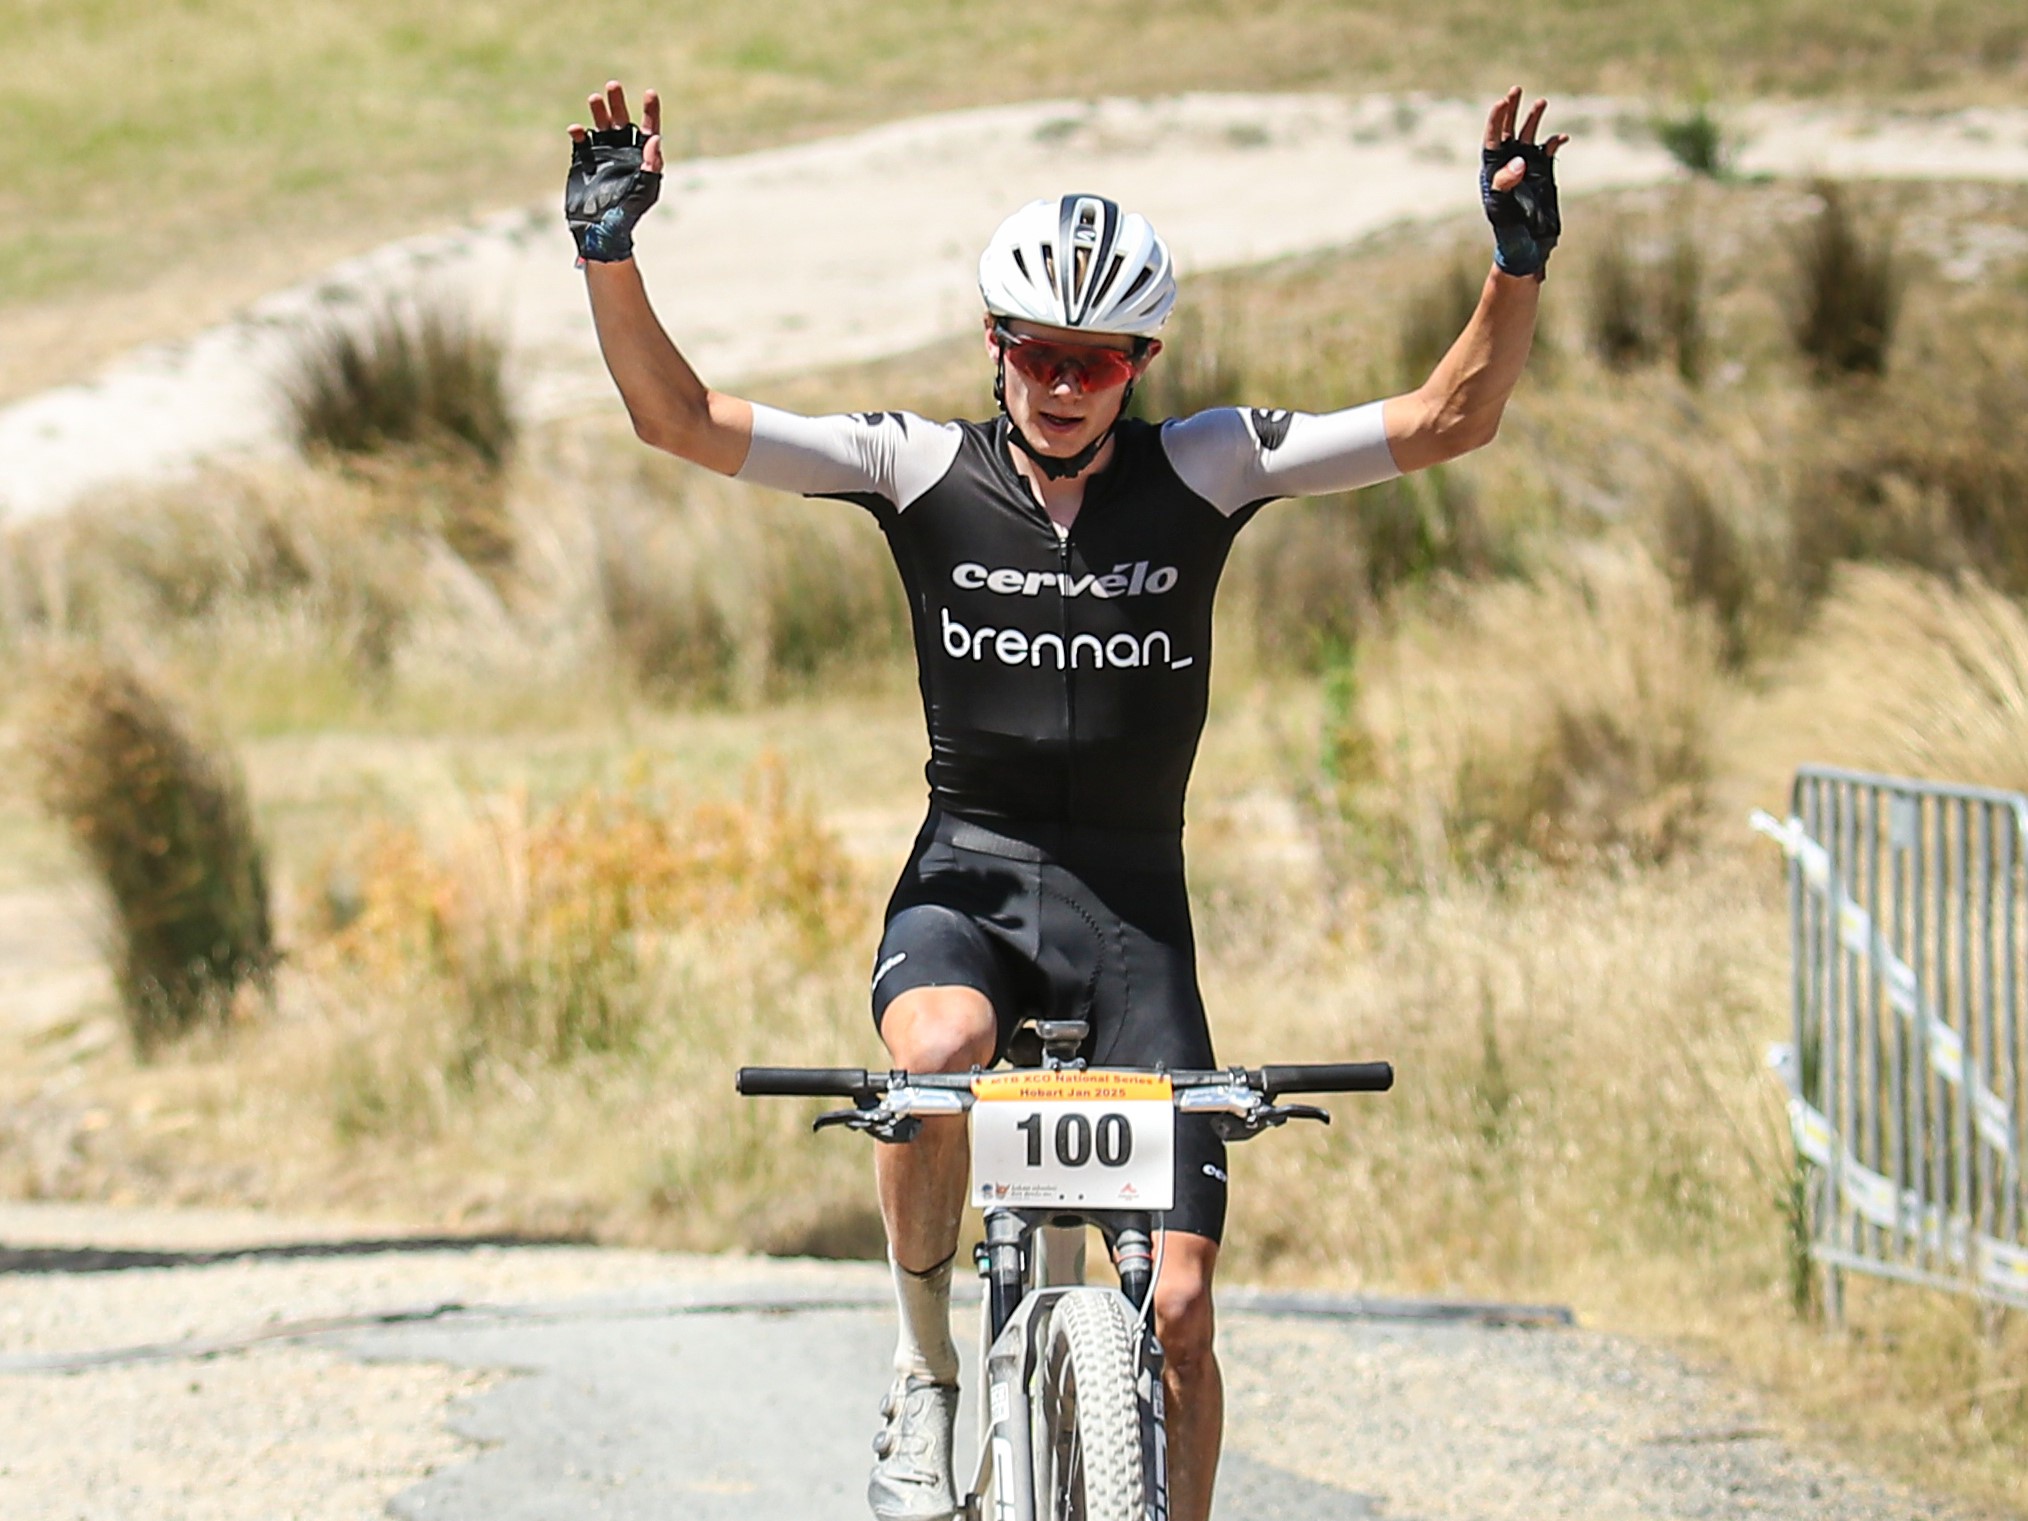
(810, 1082)
(1271, 1081)
(1326, 1077)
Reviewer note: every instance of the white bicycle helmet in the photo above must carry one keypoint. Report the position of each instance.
(1079, 261)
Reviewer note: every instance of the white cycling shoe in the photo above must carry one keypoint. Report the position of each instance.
(912, 1477)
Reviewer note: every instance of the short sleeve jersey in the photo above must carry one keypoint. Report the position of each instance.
(1065, 677)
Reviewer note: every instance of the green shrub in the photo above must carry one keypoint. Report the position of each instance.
(1697, 142)
(163, 819)
(1849, 282)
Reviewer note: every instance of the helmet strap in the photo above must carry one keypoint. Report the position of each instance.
(1050, 465)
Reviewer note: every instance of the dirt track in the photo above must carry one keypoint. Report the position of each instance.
(578, 1381)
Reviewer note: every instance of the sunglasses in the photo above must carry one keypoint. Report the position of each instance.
(1087, 366)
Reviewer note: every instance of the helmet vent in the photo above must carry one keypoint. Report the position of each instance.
(1140, 281)
(1021, 263)
(1049, 263)
(1113, 272)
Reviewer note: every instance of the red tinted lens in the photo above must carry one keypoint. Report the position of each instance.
(1089, 367)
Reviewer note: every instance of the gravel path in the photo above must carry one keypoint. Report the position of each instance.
(1329, 1419)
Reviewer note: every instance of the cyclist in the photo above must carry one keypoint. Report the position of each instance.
(1060, 561)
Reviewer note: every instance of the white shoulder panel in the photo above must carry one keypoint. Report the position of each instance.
(1235, 456)
(894, 455)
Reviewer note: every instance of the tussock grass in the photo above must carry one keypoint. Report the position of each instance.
(714, 590)
(1620, 326)
(413, 398)
(1314, 578)
(1849, 283)
(135, 570)
(1643, 310)
(419, 376)
(162, 817)
(522, 983)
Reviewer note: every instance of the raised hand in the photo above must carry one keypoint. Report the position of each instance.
(615, 174)
(1517, 185)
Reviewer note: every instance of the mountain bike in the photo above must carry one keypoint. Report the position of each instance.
(1071, 1419)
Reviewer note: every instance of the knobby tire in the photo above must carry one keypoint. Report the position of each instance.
(1095, 1431)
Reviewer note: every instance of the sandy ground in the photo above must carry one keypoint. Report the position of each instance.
(865, 245)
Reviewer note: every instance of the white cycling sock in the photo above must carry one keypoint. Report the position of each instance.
(924, 1348)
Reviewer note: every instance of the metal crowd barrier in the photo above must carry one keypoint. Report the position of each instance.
(1910, 1046)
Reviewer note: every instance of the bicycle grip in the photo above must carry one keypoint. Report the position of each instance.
(804, 1082)
(1327, 1077)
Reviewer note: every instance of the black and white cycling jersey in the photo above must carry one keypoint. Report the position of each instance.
(1065, 676)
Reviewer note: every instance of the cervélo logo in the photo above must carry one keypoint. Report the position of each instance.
(1129, 580)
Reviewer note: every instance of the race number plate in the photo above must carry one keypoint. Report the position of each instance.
(1085, 1140)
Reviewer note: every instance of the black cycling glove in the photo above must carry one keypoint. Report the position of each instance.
(1525, 220)
(608, 192)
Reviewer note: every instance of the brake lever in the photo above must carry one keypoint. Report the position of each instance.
(880, 1123)
(1262, 1117)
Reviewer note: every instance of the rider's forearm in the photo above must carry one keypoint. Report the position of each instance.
(672, 409)
(1458, 408)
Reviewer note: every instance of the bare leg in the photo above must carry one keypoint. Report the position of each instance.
(1196, 1393)
(922, 1183)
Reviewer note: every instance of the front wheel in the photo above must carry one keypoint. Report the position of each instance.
(1098, 1438)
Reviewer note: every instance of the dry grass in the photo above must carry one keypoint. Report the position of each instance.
(1567, 722)
(532, 929)
(161, 815)
(1929, 468)
(1849, 281)
(1905, 673)
(1642, 309)
(1435, 315)
(419, 375)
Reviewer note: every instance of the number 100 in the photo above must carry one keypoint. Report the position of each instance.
(1075, 1138)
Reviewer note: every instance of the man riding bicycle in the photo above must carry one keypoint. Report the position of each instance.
(1060, 561)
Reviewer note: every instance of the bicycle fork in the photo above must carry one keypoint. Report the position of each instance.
(1019, 1320)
